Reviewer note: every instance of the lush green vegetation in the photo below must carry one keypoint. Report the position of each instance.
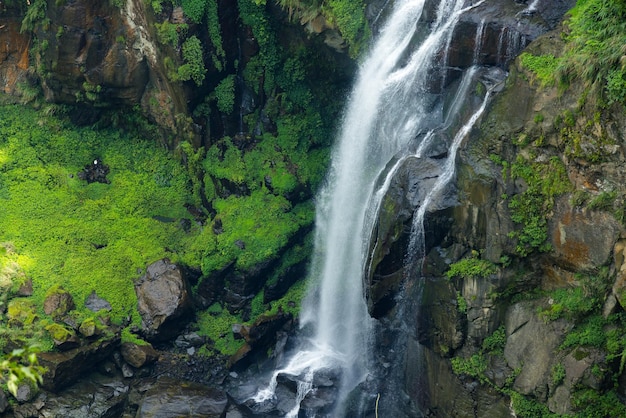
(216, 322)
(86, 237)
(595, 40)
(543, 66)
(544, 182)
(471, 267)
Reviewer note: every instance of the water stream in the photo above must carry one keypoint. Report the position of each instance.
(392, 112)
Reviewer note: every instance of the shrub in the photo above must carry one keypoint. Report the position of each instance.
(471, 267)
(193, 67)
(225, 94)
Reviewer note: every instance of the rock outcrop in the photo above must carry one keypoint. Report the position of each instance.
(163, 300)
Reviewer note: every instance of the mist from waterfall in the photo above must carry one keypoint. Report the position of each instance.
(390, 110)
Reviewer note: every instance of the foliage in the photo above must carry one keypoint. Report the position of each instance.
(21, 365)
(194, 9)
(593, 404)
(474, 366)
(471, 267)
(216, 324)
(594, 52)
(35, 15)
(570, 303)
(225, 94)
(494, 343)
(461, 303)
(193, 62)
(527, 408)
(543, 66)
(544, 182)
(589, 333)
(578, 302)
(127, 336)
(349, 15)
(86, 236)
(263, 233)
(170, 33)
(558, 374)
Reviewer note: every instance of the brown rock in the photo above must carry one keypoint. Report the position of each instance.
(58, 302)
(139, 355)
(163, 300)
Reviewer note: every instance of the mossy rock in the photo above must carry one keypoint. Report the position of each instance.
(64, 339)
(21, 312)
(58, 302)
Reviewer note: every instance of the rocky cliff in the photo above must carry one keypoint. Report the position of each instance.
(520, 302)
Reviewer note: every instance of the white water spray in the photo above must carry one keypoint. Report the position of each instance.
(387, 111)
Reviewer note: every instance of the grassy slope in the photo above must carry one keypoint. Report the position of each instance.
(83, 236)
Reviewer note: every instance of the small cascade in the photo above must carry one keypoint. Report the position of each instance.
(532, 8)
(478, 42)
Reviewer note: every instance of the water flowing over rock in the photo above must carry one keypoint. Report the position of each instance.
(163, 300)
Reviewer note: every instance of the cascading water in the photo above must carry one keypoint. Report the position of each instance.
(389, 112)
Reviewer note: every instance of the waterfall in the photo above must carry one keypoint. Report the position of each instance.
(391, 113)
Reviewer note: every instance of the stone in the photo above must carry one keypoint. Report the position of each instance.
(58, 302)
(64, 369)
(94, 397)
(95, 303)
(95, 172)
(531, 343)
(173, 398)
(163, 300)
(26, 288)
(4, 402)
(25, 392)
(138, 355)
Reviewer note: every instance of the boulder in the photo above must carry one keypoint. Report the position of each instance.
(173, 398)
(58, 302)
(139, 355)
(163, 300)
(95, 397)
(64, 369)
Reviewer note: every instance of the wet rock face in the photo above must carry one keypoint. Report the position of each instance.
(172, 398)
(408, 188)
(163, 300)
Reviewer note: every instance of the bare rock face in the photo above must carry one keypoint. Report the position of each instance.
(173, 398)
(64, 369)
(14, 58)
(163, 300)
(582, 240)
(90, 51)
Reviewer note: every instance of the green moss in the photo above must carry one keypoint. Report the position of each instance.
(87, 236)
(217, 325)
(127, 336)
(543, 66)
(58, 332)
